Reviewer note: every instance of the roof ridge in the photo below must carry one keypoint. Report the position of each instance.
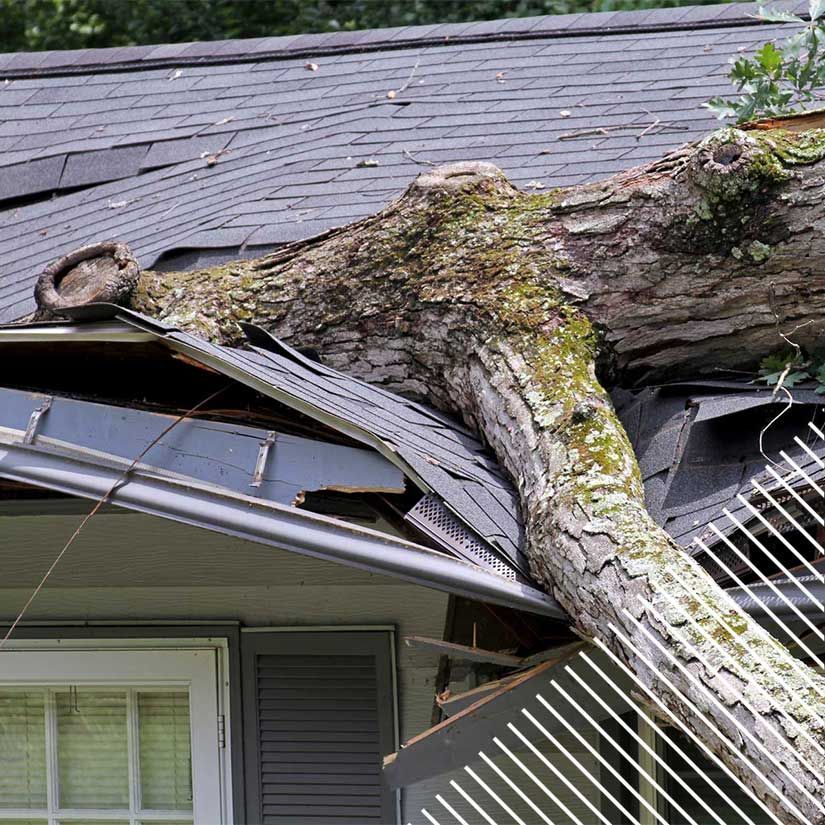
(40, 64)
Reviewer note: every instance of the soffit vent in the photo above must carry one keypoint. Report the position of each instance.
(728, 558)
(432, 518)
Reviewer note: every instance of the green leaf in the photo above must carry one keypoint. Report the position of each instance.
(776, 362)
(794, 378)
(769, 58)
(743, 70)
(720, 107)
(777, 16)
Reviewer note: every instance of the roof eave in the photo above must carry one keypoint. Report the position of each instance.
(266, 523)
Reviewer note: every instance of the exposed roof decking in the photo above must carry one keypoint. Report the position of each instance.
(290, 143)
(434, 450)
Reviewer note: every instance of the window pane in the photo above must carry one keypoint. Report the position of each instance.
(92, 749)
(22, 749)
(165, 750)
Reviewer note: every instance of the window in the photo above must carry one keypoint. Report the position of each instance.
(110, 736)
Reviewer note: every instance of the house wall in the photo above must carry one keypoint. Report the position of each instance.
(132, 567)
(423, 794)
(129, 567)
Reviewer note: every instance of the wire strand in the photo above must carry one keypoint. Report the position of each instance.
(98, 504)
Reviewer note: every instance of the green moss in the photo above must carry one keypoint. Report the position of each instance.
(792, 148)
(759, 251)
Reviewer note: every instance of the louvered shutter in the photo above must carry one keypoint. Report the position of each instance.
(318, 710)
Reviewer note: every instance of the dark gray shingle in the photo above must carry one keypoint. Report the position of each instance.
(172, 104)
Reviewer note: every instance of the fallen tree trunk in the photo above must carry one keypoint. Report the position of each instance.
(498, 305)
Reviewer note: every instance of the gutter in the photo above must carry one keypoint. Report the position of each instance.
(760, 600)
(89, 476)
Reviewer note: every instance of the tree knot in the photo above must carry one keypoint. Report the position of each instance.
(463, 177)
(731, 163)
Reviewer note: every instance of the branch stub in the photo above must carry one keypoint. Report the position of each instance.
(105, 272)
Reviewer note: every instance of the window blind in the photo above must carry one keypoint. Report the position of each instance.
(165, 753)
(22, 749)
(93, 749)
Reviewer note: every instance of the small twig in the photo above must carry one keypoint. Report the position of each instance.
(648, 128)
(408, 154)
(780, 384)
(412, 75)
(98, 504)
(773, 421)
(599, 130)
(656, 126)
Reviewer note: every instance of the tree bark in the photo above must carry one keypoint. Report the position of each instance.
(498, 305)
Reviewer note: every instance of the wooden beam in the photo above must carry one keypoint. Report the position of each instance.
(463, 652)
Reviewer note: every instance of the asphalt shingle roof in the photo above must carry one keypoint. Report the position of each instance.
(193, 153)
(698, 446)
(450, 460)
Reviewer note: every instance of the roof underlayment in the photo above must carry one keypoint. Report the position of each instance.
(194, 153)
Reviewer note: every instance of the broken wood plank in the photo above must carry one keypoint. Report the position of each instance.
(463, 652)
(452, 703)
(456, 741)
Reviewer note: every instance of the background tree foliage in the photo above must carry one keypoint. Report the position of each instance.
(32, 25)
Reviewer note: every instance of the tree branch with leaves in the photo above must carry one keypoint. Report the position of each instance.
(778, 78)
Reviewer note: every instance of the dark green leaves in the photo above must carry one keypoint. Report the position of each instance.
(790, 368)
(777, 78)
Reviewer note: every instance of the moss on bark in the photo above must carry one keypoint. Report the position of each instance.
(489, 298)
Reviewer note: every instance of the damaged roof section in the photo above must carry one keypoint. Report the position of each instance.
(268, 465)
(206, 152)
(703, 444)
(469, 508)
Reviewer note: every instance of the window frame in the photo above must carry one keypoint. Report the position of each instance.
(122, 662)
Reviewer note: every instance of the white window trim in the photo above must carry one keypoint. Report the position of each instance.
(165, 661)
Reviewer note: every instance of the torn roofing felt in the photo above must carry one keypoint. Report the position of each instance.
(199, 153)
(698, 446)
(441, 456)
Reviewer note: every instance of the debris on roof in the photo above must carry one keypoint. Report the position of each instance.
(200, 153)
